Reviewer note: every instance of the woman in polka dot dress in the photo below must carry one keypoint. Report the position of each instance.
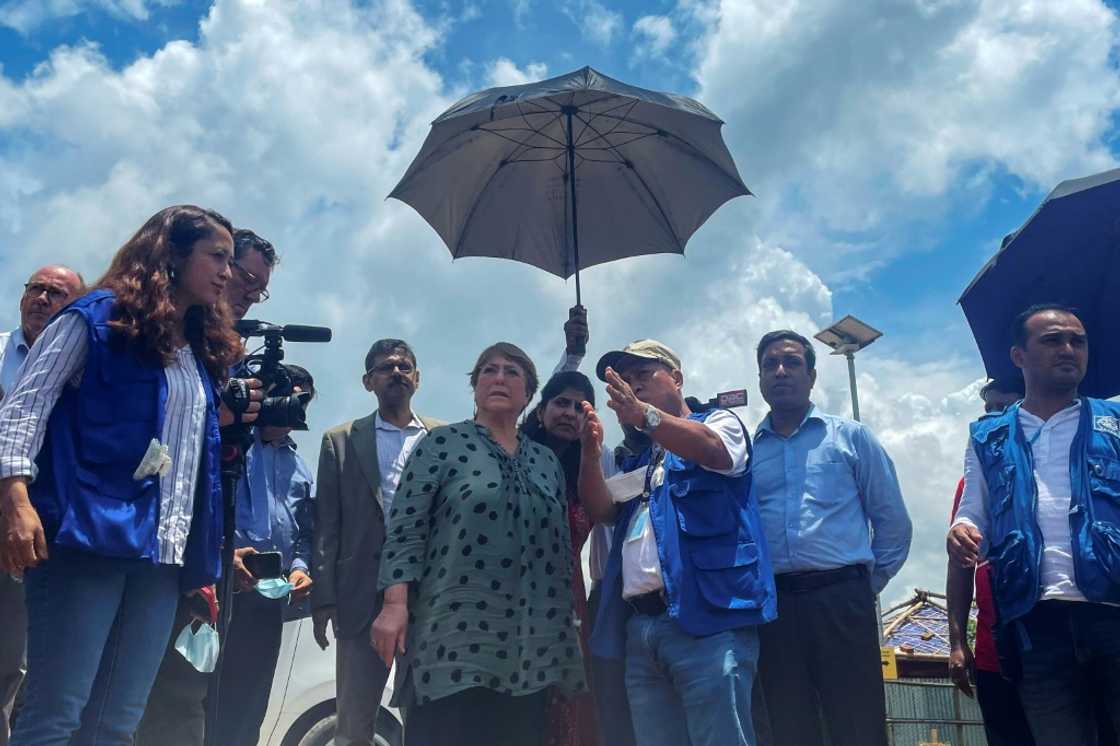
(477, 571)
(555, 422)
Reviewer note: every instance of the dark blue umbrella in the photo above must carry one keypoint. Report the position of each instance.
(1067, 252)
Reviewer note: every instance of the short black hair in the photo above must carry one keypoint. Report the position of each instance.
(776, 336)
(301, 377)
(1019, 331)
(383, 347)
(1009, 385)
(244, 240)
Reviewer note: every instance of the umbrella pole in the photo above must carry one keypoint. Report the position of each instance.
(568, 111)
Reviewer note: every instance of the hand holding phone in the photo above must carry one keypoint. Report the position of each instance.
(263, 565)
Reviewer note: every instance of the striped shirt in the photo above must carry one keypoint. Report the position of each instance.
(57, 359)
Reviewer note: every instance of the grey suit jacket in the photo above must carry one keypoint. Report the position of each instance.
(349, 525)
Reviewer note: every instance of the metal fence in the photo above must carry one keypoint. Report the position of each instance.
(918, 707)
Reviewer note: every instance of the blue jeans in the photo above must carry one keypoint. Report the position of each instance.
(689, 691)
(1070, 654)
(97, 629)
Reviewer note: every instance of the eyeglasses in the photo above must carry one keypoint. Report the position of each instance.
(404, 367)
(54, 295)
(252, 283)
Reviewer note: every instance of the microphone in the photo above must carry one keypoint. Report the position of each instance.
(288, 332)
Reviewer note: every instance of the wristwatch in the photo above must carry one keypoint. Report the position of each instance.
(652, 419)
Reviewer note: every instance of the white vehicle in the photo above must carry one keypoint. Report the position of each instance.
(301, 707)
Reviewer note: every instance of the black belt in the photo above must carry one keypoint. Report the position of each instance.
(648, 604)
(796, 582)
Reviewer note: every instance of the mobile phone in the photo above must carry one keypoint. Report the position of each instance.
(263, 565)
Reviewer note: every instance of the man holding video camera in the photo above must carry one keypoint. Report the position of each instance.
(275, 518)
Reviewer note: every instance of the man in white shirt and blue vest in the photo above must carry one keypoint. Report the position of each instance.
(44, 294)
(688, 578)
(1042, 503)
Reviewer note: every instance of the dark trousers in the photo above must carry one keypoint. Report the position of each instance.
(252, 647)
(478, 717)
(608, 686)
(175, 714)
(1070, 654)
(819, 666)
(1005, 723)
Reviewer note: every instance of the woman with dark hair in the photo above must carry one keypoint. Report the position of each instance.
(556, 422)
(476, 572)
(110, 501)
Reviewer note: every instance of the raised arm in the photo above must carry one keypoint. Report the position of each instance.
(592, 488)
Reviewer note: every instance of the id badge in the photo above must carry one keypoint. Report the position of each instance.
(638, 523)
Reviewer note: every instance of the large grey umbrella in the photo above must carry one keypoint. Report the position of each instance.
(494, 175)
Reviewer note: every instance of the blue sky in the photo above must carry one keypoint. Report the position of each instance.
(891, 145)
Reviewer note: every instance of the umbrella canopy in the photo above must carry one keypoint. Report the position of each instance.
(1067, 252)
(494, 175)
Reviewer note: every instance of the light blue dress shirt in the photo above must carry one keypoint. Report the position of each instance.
(275, 508)
(13, 351)
(829, 497)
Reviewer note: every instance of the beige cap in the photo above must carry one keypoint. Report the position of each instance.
(639, 351)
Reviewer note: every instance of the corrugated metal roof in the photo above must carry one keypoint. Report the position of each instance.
(920, 626)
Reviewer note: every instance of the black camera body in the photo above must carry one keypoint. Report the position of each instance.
(282, 407)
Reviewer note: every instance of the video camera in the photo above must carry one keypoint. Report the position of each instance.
(281, 407)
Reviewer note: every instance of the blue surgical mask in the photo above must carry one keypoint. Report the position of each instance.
(200, 647)
(274, 588)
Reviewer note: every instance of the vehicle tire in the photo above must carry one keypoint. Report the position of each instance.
(322, 733)
(389, 732)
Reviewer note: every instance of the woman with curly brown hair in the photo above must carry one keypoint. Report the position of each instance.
(110, 500)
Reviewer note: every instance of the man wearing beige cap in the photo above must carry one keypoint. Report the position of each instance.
(688, 579)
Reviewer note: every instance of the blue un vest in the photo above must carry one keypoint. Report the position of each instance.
(96, 436)
(1015, 540)
(713, 556)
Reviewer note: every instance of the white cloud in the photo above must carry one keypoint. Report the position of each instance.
(503, 71)
(598, 23)
(296, 119)
(872, 121)
(653, 35)
(27, 15)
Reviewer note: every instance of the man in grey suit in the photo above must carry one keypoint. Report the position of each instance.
(359, 466)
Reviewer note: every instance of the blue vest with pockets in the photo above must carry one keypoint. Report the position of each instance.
(714, 562)
(1015, 540)
(96, 436)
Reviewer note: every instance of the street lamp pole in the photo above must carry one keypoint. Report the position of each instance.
(851, 355)
(846, 337)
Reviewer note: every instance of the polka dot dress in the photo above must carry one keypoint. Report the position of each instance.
(483, 539)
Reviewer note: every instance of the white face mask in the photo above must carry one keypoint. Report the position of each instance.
(200, 647)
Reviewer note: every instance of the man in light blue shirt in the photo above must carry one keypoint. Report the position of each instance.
(275, 513)
(837, 531)
(47, 291)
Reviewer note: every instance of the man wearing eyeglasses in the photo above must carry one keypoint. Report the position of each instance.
(48, 290)
(253, 260)
(359, 465)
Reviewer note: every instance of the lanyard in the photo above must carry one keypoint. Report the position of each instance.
(655, 460)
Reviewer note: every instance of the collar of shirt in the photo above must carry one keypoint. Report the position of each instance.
(285, 442)
(19, 340)
(381, 424)
(1073, 411)
(765, 428)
